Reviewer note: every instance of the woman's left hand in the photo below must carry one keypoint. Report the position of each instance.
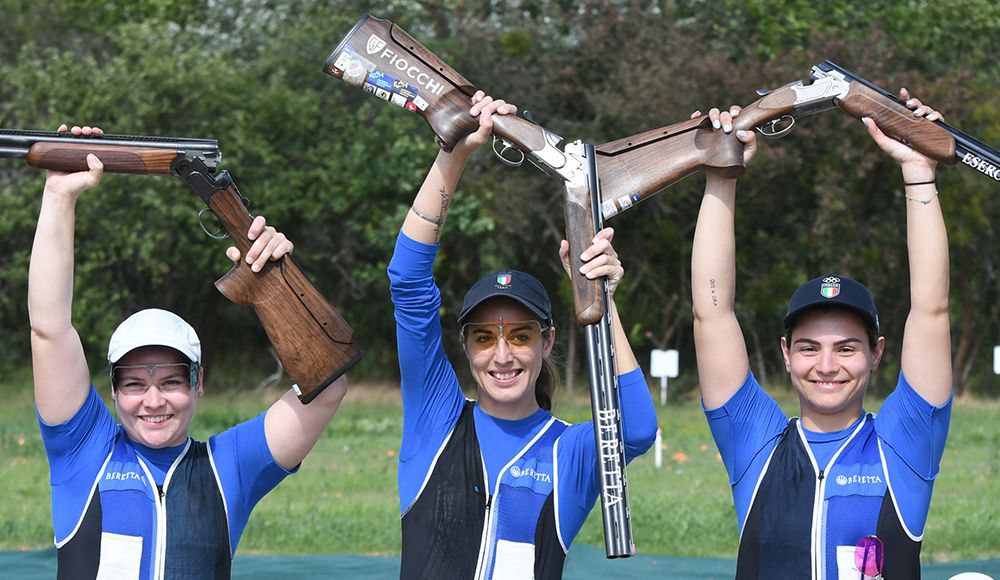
(915, 165)
(600, 259)
(268, 244)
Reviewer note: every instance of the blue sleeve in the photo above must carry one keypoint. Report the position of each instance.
(638, 414)
(247, 471)
(76, 452)
(914, 433)
(745, 430)
(432, 397)
(576, 454)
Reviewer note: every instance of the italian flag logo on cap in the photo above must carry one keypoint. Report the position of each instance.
(830, 287)
(503, 279)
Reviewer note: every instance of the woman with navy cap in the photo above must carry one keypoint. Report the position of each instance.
(495, 487)
(140, 499)
(838, 492)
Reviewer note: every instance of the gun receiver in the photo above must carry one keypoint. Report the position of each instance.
(314, 343)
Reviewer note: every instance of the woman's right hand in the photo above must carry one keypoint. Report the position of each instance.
(483, 107)
(72, 184)
(723, 120)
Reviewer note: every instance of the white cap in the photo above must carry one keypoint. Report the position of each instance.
(154, 327)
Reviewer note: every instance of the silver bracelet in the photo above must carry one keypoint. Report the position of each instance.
(437, 222)
(922, 201)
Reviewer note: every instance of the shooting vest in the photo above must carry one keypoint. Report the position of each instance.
(804, 521)
(458, 529)
(132, 530)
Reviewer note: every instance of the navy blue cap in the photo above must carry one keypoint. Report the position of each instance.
(835, 290)
(512, 284)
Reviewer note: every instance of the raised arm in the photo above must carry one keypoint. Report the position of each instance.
(926, 358)
(291, 428)
(721, 352)
(430, 208)
(61, 375)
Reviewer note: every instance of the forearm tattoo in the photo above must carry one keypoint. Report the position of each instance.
(715, 295)
(445, 203)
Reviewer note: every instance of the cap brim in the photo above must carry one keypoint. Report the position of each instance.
(128, 347)
(534, 309)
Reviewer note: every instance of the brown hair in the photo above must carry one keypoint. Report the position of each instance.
(545, 385)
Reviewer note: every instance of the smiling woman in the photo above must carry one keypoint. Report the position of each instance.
(839, 492)
(498, 462)
(141, 499)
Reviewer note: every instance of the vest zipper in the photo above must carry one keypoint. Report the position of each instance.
(160, 548)
(818, 524)
(818, 555)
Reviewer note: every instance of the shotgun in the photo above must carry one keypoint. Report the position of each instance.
(382, 59)
(634, 168)
(313, 342)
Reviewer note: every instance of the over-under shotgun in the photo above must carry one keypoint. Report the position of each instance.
(312, 340)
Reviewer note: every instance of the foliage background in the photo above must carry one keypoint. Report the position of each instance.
(336, 169)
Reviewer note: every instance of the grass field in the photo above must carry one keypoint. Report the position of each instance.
(343, 500)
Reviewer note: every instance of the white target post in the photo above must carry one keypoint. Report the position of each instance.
(663, 364)
(996, 360)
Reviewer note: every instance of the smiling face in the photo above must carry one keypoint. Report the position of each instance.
(506, 346)
(830, 362)
(155, 406)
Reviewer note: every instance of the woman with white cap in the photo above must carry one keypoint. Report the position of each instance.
(498, 487)
(141, 499)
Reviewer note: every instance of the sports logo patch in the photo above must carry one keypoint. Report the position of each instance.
(503, 279)
(375, 44)
(830, 287)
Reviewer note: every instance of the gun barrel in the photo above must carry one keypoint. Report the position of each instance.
(121, 153)
(14, 138)
(13, 152)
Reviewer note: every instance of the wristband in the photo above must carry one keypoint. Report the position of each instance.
(931, 182)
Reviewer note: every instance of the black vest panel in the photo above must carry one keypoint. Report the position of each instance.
(549, 555)
(197, 529)
(80, 557)
(776, 539)
(442, 530)
(902, 554)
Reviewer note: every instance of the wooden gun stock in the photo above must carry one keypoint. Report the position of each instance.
(314, 343)
(383, 59)
(588, 302)
(637, 167)
(116, 159)
(898, 122)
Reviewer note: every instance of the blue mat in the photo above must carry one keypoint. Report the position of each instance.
(584, 563)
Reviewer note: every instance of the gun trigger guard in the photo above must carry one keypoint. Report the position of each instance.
(506, 146)
(201, 222)
(776, 128)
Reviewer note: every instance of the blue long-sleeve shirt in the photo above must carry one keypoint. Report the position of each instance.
(433, 399)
